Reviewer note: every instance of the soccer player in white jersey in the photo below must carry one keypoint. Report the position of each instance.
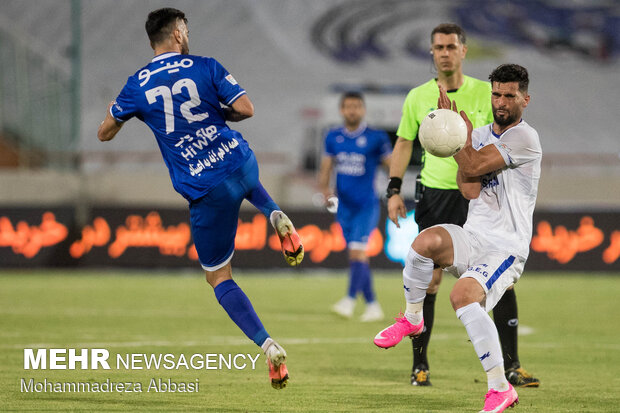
(187, 101)
(498, 170)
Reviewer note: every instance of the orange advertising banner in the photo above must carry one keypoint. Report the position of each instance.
(145, 237)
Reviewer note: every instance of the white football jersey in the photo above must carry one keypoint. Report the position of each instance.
(501, 217)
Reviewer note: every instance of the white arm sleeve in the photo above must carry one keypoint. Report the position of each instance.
(519, 145)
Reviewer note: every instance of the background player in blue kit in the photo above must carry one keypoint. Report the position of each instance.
(178, 96)
(354, 151)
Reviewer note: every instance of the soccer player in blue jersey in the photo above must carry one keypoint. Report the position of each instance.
(354, 151)
(186, 100)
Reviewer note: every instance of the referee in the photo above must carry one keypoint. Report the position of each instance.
(438, 198)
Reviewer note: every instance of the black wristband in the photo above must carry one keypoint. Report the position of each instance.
(395, 183)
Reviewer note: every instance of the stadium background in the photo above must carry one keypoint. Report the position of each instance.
(62, 61)
(94, 243)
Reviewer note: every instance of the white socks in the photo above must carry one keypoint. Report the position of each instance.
(496, 378)
(268, 342)
(417, 276)
(414, 312)
(274, 216)
(483, 335)
(482, 332)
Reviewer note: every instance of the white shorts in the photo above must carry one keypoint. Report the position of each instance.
(495, 270)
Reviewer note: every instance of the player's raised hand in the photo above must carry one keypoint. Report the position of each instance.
(470, 127)
(444, 101)
(396, 209)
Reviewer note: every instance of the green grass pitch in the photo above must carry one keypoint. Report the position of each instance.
(571, 342)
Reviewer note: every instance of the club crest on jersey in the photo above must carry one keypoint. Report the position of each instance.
(361, 141)
(504, 147)
(231, 80)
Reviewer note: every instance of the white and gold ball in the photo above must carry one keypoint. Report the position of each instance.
(443, 133)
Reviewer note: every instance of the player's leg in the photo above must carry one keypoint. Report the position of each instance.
(506, 320)
(236, 303)
(357, 222)
(475, 293)
(433, 247)
(505, 316)
(257, 195)
(420, 375)
(260, 198)
(239, 308)
(435, 206)
(214, 223)
(346, 305)
(365, 223)
(373, 311)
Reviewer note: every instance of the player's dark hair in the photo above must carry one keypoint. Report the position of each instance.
(351, 95)
(450, 28)
(160, 23)
(511, 73)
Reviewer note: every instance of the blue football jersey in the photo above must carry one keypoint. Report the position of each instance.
(356, 157)
(178, 97)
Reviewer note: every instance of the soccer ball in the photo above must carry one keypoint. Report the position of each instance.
(443, 133)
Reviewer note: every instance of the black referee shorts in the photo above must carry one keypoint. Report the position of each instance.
(441, 206)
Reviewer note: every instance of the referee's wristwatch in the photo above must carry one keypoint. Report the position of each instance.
(391, 192)
(393, 187)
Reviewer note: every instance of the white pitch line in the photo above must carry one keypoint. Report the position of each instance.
(234, 342)
(231, 341)
(227, 341)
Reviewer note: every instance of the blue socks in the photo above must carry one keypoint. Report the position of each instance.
(361, 280)
(240, 310)
(262, 201)
(367, 289)
(354, 278)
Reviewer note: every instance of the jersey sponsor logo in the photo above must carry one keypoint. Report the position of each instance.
(489, 181)
(231, 80)
(480, 269)
(196, 143)
(190, 147)
(213, 156)
(171, 67)
(352, 164)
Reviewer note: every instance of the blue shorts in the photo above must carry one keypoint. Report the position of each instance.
(214, 217)
(357, 223)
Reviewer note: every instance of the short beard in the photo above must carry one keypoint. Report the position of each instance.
(504, 121)
(353, 125)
